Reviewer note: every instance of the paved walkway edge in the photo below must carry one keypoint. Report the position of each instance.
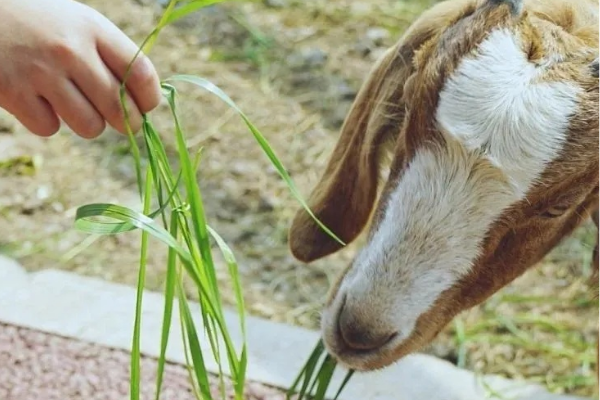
(100, 312)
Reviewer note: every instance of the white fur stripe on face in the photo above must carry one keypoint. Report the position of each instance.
(504, 126)
(492, 104)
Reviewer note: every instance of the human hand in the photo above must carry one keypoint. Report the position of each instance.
(60, 58)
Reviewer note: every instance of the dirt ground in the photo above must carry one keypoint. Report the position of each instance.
(294, 68)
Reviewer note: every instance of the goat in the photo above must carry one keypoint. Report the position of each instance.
(490, 111)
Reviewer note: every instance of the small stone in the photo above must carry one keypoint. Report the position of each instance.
(372, 42)
(275, 3)
(217, 28)
(205, 54)
(266, 204)
(361, 8)
(299, 34)
(315, 135)
(363, 48)
(377, 36)
(301, 80)
(240, 168)
(43, 192)
(307, 58)
(344, 91)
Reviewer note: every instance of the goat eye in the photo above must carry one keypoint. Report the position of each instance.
(555, 211)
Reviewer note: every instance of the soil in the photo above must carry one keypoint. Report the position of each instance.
(294, 68)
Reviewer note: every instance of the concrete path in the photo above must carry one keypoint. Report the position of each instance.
(99, 312)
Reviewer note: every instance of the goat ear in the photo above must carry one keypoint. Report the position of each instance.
(344, 197)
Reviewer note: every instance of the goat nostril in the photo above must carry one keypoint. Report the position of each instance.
(359, 334)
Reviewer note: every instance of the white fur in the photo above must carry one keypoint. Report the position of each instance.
(493, 104)
(503, 127)
(429, 235)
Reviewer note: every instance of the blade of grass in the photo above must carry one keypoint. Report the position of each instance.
(109, 228)
(124, 214)
(307, 372)
(194, 346)
(78, 248)
(154, 166)
(490, 392)
(135, 150)
(135, 346)
(186, 351)
(461, 340)
(319, 378)
(168, 308)
(347, 378)
(234, 275)
(324, 377)
(195, 198)
(239, 381)
(197, 159)
(188, 363)
(157, 148)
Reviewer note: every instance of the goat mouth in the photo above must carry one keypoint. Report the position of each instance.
(364, 360)
(356, 358)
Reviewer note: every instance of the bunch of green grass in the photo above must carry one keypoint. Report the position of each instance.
(179, 221)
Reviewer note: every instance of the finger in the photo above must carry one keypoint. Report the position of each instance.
(74, 108)
(101, 87)
(35, 113)
(117, 51)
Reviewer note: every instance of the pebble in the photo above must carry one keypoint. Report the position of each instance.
(308, 58)
(377, 36)
(275, 3)
(344, 91)
(42, 366)
(267, 204)
(373, 41)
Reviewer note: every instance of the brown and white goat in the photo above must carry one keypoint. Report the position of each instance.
(490, 109)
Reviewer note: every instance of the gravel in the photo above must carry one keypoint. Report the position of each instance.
(39, 366)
